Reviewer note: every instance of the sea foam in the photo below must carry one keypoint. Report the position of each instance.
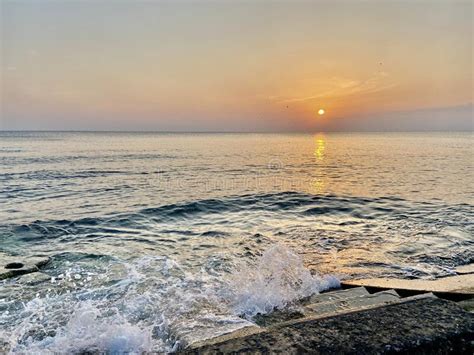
(153, 303)
(88, 331)
(273, 281)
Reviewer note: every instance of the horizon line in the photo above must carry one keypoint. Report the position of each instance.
(225, 132)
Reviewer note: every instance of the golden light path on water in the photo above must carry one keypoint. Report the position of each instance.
(319, 183)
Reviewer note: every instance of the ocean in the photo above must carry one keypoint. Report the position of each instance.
(158, 240)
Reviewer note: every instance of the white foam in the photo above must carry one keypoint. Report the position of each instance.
(155, 304)
(275, 280)
(88, 331)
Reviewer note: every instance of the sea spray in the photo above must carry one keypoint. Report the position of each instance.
(273, 281)
(154, 303)
(89, 331)
(79, 318)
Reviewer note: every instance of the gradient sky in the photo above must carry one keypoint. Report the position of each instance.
(236, 66)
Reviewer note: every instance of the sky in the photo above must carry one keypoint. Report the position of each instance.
(243, 66)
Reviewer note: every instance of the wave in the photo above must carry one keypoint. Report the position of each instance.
(275, 280)
(14, 160)
(152, 303)
(87, 331)
(290, 203)
(369, 236)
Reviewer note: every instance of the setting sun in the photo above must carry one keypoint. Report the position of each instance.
(321, 112)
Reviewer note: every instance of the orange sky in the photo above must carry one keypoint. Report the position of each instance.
(240, 66)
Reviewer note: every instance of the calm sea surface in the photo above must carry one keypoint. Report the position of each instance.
(159, 240)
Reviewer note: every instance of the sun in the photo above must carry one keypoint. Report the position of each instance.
(321, 112)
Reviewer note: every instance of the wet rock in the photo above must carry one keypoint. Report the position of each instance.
(14, 265)
(34, 278)
(12, 268)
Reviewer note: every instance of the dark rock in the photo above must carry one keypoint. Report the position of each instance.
(468, 305)
(14, 265)
(422, 326)
(15, 268)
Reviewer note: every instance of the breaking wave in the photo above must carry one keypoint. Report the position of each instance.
(152, 303)
(89, 331)
(273, 281)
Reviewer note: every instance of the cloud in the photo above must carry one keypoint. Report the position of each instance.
(343, 87)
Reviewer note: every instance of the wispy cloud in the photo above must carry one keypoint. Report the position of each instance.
(343, 87)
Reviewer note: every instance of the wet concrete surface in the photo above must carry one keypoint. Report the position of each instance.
(461, 284)
(421, 326)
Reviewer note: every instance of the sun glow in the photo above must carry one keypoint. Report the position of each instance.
(321, 112)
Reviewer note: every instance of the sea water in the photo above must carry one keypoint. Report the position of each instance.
(160, 240)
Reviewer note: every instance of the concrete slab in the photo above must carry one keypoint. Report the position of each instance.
(426, 325)
(313, 315)
(462, 284)
(240, 333)
(338, 295)
(352, 304)
(279, 316)
(465, 269)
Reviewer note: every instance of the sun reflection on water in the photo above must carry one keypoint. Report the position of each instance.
(320, 147)
(318, 184)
